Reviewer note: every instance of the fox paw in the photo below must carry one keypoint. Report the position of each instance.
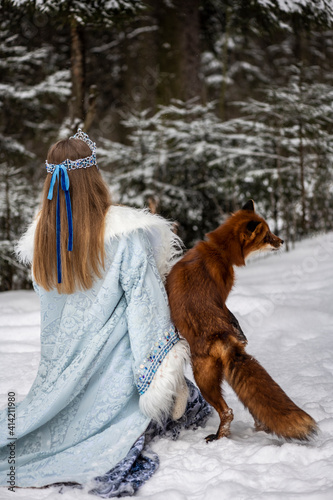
(211, 437)
(261, 427)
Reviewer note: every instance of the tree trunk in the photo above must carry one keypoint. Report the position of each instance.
(302, 178)
(7, 204)
(7, 273)
(224, 60)
(189, 45)
(91, 112)
(281, 201)
(179, 51)
(77, 73)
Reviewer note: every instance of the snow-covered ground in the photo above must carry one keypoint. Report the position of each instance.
(284, 303)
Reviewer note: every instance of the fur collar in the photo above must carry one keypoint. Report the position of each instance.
(120, 221)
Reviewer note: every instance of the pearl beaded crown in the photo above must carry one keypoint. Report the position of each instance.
(89, 161)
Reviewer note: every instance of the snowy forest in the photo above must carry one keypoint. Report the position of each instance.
(195, 106)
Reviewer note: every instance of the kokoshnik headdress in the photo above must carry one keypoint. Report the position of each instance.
(60, 173)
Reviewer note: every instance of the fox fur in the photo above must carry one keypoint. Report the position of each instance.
(198, 286)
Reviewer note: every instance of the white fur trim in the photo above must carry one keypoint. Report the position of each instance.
(24, 249)
(165, 243)
(158, 400)
(120, 221)
(181, 402)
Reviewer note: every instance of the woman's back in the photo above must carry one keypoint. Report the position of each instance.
(111, 360)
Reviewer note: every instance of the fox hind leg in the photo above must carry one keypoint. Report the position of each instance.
(208, 373)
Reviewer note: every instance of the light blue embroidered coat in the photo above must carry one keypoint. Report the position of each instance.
(110, 360)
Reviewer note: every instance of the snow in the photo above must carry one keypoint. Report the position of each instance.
(317, 6)
(58, 83)
(284, 304)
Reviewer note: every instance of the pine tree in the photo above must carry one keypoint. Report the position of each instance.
(293, 127)
(34, 89)
(17, 206)
(76, 16)
(67, 62)
(181, 160)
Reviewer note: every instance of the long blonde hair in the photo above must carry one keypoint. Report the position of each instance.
(90, 200)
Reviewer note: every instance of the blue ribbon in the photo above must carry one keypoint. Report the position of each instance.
(60, 174)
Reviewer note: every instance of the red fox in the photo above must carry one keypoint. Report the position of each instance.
(198, 286)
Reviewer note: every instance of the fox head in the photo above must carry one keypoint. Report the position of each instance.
(244, 233)
(254, 232)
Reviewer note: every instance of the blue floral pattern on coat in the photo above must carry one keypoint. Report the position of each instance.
(82, 413)
(141, 463)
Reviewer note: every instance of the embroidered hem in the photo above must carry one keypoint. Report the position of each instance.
(149, 366)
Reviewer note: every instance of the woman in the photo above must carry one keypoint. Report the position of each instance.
(111, 360)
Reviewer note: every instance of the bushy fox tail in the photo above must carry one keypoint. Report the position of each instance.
(271, 408)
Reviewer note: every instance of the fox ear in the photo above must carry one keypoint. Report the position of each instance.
(252, 225)
(249, 205)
